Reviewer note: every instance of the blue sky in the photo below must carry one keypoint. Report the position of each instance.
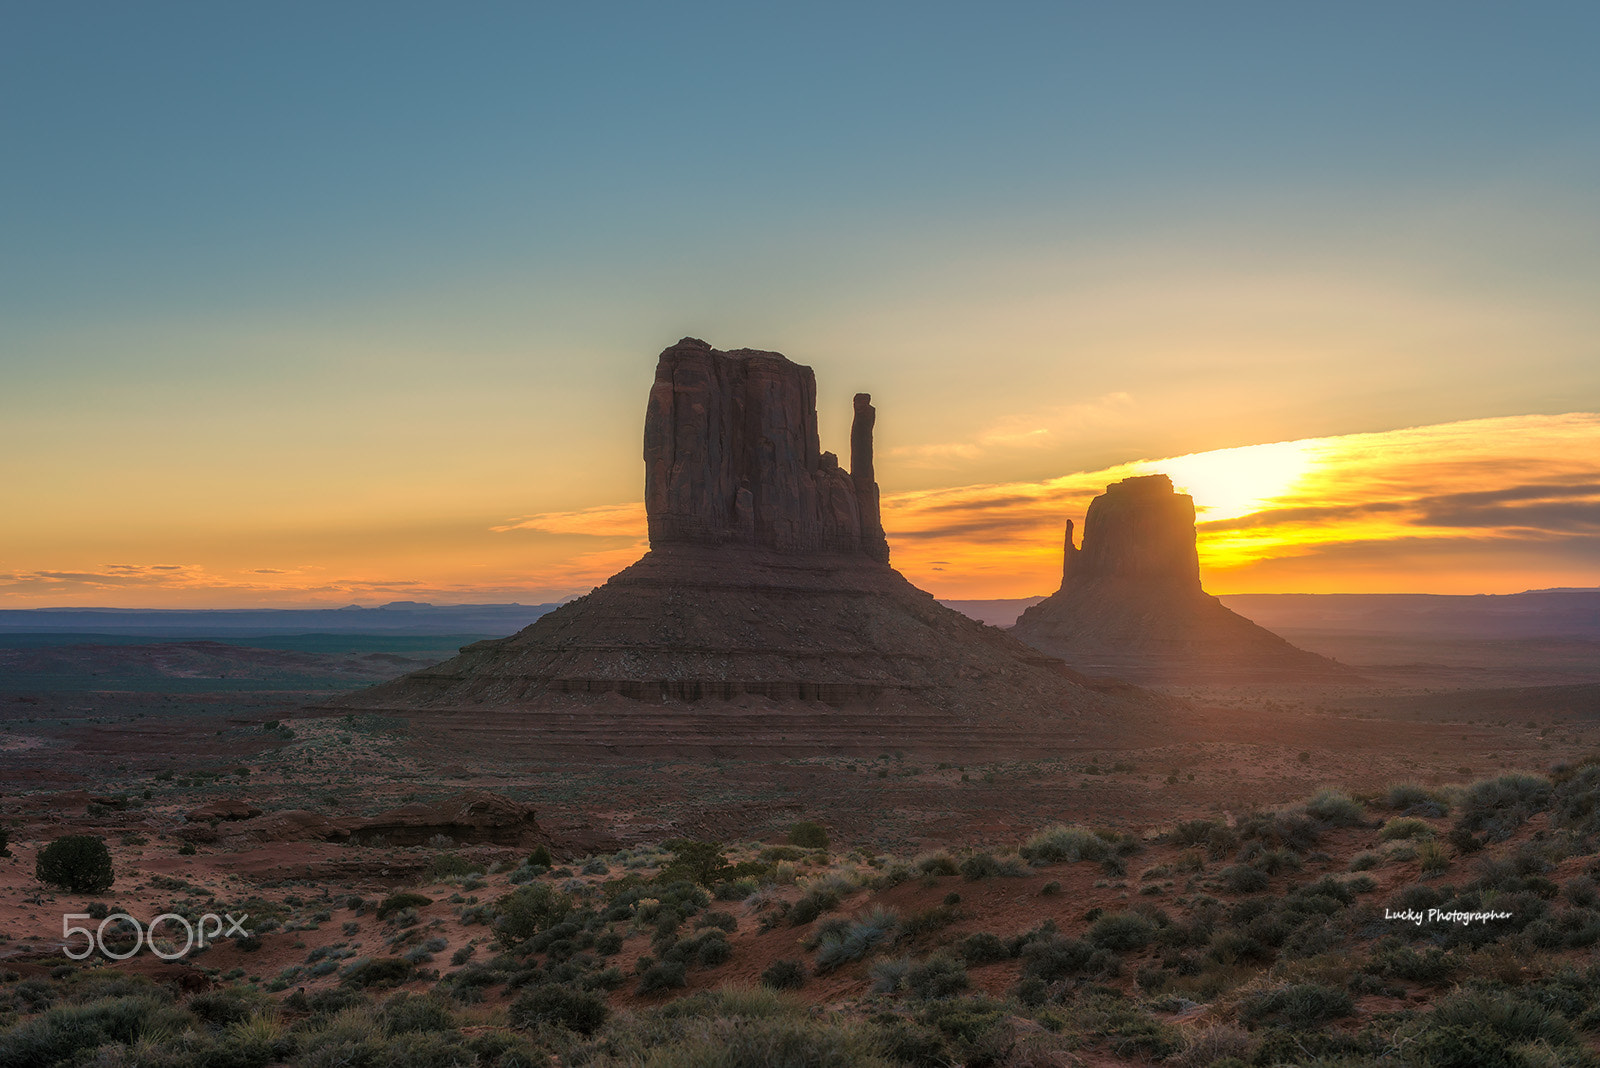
(430, 245)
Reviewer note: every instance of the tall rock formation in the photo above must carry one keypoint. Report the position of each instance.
(1131, 604)
(764, 620)
(731, 457)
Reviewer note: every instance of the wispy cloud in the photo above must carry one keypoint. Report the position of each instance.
(602, 521)
(1043, 428)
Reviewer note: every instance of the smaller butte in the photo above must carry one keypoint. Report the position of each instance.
(1131, 605)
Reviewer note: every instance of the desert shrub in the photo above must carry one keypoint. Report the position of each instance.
(1402, 962)
(937, 864)
(926, 921)
(1432, 858)
(406, 1013)
(1066, 844)
(451, 865)
(1364, 861)
(1220, 1045)
(379, 972)
(856, 939)
(1121, 932)
(1234, 947)
(1507, 1015)
(1298, 1005)
(1404, 827)
(983, 948)
(1499, 806)
(1243, 879)
(663, 975)
(527, 911)
(780, 1042)
(784, 975)
(1336, 808)
(1276, 861)
(1568, 929)
(69, 1034)
(808, 835)
(5, 842)
(1581, 891)
(559, 1006)
(936, 977)
(820, 897)
(1283, 830)
(540, 857)
(979, 866)
(1053, 958)
(1411, 799)
(707, 949)
(398, 902)
(694, 861)
(79, 863)
(227, 1005)
(772, 854)
(1576, 801)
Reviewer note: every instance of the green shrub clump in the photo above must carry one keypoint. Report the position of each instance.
(401, 901)
(784, 975)
(1299, 1005)
(808, 835)
(527, 911)
(1069, 844)
(79, 863)
(561, 1006)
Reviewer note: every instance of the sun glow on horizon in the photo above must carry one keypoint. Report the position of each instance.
(1229, 483)
(1487, 505)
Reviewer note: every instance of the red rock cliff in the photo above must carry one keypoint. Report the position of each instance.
(731, 456)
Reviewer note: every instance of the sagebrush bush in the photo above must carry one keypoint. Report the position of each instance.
(1066, 844)
(1499, 806)
(556, 1005)
(1404, 827)
(377, 972)
(808, 835)
(1335, 807)
(1121, 932)
(1244, 879)
(936, 977)
(398, 902)
(406, 1013)
(1298, 1005)
(784, 975)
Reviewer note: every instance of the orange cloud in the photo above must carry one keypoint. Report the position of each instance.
(1497, 492)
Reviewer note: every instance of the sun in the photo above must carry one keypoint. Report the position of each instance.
(1229, 483)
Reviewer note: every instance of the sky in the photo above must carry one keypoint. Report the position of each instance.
(325, 304)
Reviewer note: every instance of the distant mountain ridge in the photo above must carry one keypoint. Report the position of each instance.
(398, 617)
(1560, 612)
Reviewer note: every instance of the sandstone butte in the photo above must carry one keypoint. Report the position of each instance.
(1131, 604)
(765, 620)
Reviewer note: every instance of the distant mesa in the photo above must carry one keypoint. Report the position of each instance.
(765, 619)
(1131, 604)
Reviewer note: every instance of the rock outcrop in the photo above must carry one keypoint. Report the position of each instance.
(1131, 604)
(732, 457)
(764, 620)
